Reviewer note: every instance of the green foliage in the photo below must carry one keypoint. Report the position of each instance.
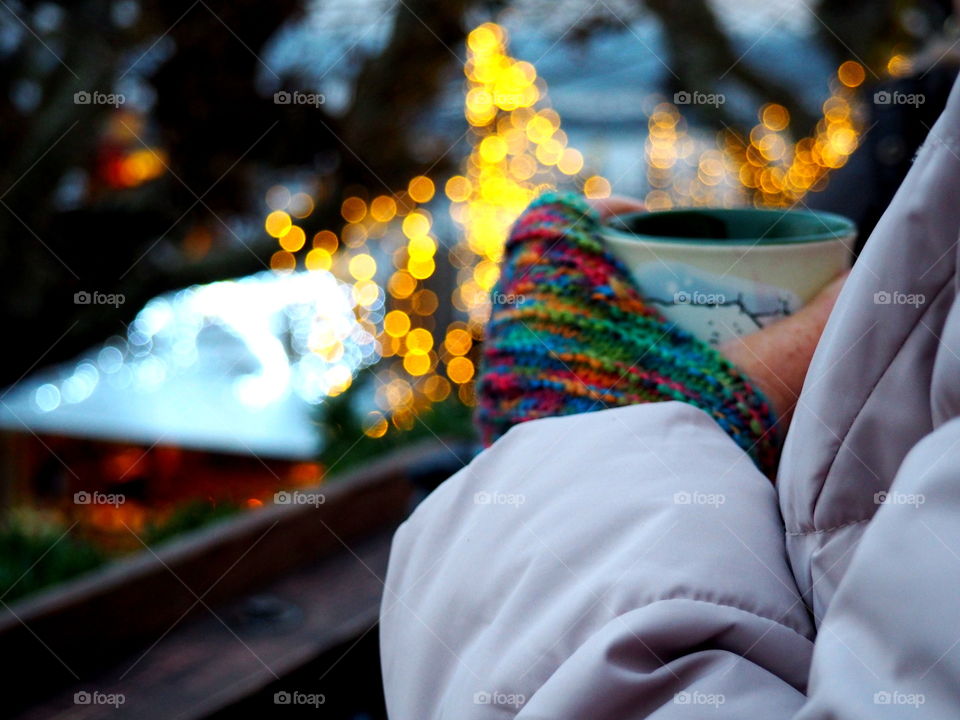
(346, 446)
(31, 559)
(189, 516)
(34, 556)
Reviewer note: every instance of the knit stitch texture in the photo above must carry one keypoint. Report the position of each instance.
(569, 333)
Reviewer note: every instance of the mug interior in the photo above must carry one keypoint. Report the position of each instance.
(718, 225)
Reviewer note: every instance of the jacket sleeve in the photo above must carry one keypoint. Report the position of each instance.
(627, 563)
(889, 646)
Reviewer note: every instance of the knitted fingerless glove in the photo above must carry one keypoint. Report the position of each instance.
(569, 333)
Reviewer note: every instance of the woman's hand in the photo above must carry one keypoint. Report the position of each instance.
(777, 357)
(615, 205)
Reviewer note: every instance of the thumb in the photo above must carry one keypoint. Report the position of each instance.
(615, 205)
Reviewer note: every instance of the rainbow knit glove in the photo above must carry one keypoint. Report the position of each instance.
(569, 333)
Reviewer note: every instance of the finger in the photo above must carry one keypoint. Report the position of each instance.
(615, 205)
(777, 356)
(822, 304)
(809, 319)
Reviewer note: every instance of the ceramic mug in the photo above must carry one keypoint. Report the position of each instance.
(721, 273)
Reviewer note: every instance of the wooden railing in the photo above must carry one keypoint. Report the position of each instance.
(175, 630)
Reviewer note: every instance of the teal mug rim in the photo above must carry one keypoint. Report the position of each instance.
(844, 227)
